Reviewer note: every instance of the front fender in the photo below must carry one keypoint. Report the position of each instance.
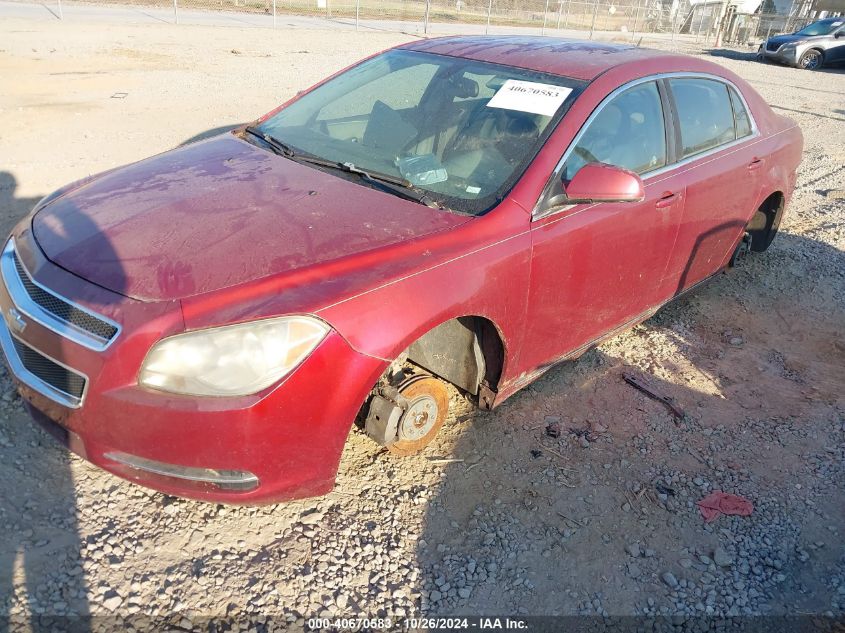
(487, 278)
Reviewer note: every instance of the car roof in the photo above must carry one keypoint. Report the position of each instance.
(579, 59)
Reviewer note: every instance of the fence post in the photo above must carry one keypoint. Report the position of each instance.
(61, 13)
(274, 14)
(568, 10)
(593, 23)
(545, 14)
(791, 13)
(636, 19)
(357, 13)
(425, 17)
(175, 11)
(700, 23)
(489, 11)
(723, 13)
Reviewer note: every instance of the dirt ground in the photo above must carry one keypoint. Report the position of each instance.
(498, 517)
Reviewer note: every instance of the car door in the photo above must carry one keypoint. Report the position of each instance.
(715, 133)
(596, 267)
(835, 49)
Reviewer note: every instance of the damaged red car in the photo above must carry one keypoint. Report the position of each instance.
(464, 211)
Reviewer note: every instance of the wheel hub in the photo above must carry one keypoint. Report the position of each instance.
(427, 408)
(419, 419)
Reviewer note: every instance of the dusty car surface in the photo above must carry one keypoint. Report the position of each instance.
(818, 44)
(210, 322)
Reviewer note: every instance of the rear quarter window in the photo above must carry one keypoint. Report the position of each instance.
(704, 113)
(743, 122)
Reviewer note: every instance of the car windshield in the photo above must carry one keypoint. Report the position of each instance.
(823, 27)
(460, 131)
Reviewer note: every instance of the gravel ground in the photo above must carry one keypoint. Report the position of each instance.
(498, 517)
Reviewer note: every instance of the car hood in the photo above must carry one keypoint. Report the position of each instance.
(780, 40)
(215, 214)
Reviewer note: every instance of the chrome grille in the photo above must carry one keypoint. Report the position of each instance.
(53, 311)
(57, 376)
(62, 309)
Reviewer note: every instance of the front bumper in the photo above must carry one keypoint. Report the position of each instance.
(790, 56)
(283, 443)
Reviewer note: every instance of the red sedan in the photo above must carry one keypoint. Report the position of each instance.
(211, 322)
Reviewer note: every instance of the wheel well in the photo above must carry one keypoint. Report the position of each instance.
(764, 224)
(815, 50)
(467, 351)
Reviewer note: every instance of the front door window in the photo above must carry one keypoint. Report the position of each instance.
(627, 132)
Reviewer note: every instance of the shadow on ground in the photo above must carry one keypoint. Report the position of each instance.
(730, 53)
(40, 546)
(751, 56)
(533, 524)
(530, 523)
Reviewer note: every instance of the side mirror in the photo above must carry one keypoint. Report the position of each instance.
(598, 182)
(839, 34)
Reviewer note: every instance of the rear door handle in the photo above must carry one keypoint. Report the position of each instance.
(757, 163)
(666, 200)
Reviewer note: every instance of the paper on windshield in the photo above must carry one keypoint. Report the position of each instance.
(529, 96)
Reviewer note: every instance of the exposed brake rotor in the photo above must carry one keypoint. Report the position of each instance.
(428, 405)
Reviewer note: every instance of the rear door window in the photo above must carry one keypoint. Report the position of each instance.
(704, 113)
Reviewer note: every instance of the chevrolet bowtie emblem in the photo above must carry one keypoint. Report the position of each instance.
(15, 320)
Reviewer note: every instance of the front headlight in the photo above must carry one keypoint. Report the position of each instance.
(234, 360)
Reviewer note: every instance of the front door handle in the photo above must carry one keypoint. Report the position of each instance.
(757, 163)
(666, 200)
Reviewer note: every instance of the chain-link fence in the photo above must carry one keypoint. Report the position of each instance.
(698, 20)
(749, 28)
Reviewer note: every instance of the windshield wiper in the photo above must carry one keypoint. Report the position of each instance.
(283, 149)
(392, 184)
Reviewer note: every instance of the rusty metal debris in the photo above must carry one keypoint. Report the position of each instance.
(571, 520)
(664, 489)
(591, 431)
(637, 383)
(553, 452)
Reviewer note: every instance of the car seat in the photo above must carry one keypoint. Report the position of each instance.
(487, 151)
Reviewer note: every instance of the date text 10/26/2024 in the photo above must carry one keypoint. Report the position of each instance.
(417, 624)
